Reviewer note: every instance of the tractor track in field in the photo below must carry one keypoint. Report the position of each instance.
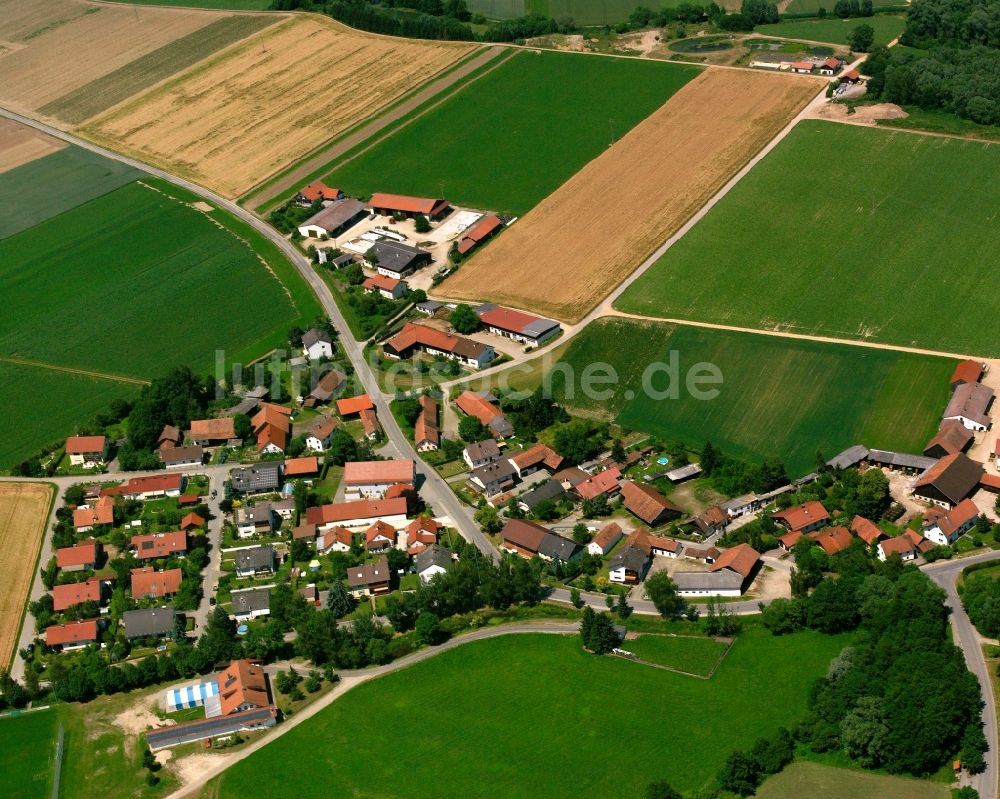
(11, 359)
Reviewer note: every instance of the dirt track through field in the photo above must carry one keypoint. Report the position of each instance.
(24, 508)
(70, 370)
(66, 45)
(245, 114)
(20, 144)
(567, 254)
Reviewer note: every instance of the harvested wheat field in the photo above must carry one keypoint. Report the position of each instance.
(240, 116)
(582, 240)
(24, 510)
(62, 46)
(20, 144)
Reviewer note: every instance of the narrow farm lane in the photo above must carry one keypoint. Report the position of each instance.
(352, 679)
(945, 574)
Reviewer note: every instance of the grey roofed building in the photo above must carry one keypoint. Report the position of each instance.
(181, 456)
(501, 427)
(900, 460)
(314, 336)
(683, 472)
(707, 582)
(485, 450)
(249, 403)
(342, 260)
(495, 475)
(630, 557)
(255, 559)
(337, 217)
(188, 732)
(851, 456)
(255, 600)
(429, 307)
(395, 257)
(554, 546)
(434, 555)
(971, 401)
(149, 622)
(550, 489)
(257, 479)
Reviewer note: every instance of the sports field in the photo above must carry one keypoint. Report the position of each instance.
(778, 397)
(847, 232)
(495, 715)
(244, 114)
(581, 241)
(511, 155)
(104, 92)
(834, 30)
(24, 510)
(26, 191)
(27, 754)
(826, 782)
(60, 47)
(693, 655)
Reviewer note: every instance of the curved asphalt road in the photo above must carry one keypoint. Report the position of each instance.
(435, 490)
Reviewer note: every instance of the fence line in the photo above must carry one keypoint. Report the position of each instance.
(59, 759)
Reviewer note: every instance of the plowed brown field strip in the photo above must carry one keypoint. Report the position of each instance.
(24, 510)
(582, 240)
(20, 144)
(242, 115)
(52, 55)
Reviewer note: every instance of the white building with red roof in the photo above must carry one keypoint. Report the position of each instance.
(87, 451)
(517, 325)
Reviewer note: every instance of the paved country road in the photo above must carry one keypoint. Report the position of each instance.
(946, 573)
(351, 679)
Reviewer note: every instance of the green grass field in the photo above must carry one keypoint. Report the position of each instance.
(102, 93)
(28, 193)
(778, 397)
(847, 232)
(44, 405)
(27, 754)
(533, 715)
(134, 283)
(511, 155)
(693, 655)
(826, 782)
(834, 30)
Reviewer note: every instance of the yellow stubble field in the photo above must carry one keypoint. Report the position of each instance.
(246, 113)
(24, 510)
(50, 50)
(584, 239)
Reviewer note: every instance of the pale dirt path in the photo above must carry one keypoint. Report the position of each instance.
(70, 370)
(328, 152)
(352, 679)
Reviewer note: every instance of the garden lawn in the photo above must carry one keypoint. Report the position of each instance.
(517, 705)
(511, 155)
(846, 232)
(27, 754)
(779, 397)
(44, 188)
(43, 406)
(827, 782)
(693, 655)
(835, 30)
(137, 281)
